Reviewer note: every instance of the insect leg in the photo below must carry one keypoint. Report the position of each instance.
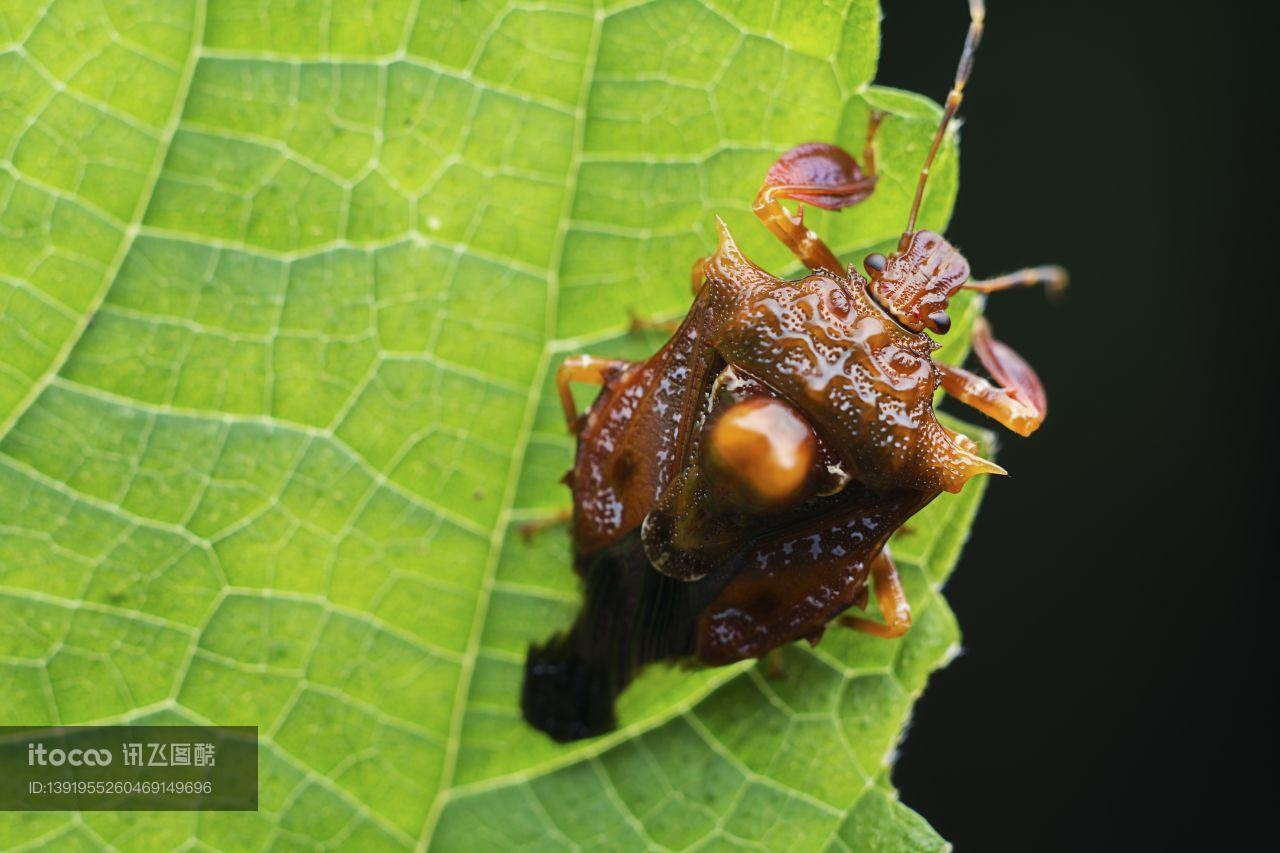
(774, 666)
(645, 324)
(819, 174)
(1054, 278)
(1019, 403)
(530, 529)
(587, 369)
(803, 242)
(891, 598)
(869, 148)
(697, 275)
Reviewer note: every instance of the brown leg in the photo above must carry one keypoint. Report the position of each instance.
(869, 148)
(1054, 278)
(803, 243)
(821, 175)
(1019, 404)
(891, 598)
(587, 369)
(977, 22)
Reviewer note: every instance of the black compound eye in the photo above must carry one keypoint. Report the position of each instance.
(875, 262)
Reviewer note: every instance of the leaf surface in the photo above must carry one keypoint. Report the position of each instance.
(282, 287)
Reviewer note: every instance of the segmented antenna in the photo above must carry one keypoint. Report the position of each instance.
(977, 18)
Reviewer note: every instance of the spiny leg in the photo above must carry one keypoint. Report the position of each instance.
(824, 176)
(1019, 403)
(1054, 278)
(890, 596)
(586, 369)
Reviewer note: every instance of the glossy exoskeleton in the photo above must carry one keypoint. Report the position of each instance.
(735, 491)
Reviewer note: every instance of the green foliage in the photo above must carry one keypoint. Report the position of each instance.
(281, 288)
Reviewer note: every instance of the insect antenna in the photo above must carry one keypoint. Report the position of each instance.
(977, 19)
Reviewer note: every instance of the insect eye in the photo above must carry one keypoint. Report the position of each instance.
(941, 322)
(875, 262)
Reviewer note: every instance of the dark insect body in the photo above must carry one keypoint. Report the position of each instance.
(736, 491)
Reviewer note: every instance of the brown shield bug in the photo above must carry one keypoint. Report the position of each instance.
(735, 491)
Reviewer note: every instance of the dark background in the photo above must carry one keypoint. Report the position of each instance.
(1116, 685)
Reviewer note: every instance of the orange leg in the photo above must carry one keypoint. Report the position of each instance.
(1054, 279)
(824, 176)
(587, 369)
(645, 324)
(530, 529)
(803, 242)
(892, 600)
(1019, 403)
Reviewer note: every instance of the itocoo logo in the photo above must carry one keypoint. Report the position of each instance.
(37, 753)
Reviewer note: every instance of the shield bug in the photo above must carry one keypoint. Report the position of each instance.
(736, 491)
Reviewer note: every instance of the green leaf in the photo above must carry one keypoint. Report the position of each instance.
(282, 285)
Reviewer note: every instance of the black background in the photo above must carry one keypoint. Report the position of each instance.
(1116, 683)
